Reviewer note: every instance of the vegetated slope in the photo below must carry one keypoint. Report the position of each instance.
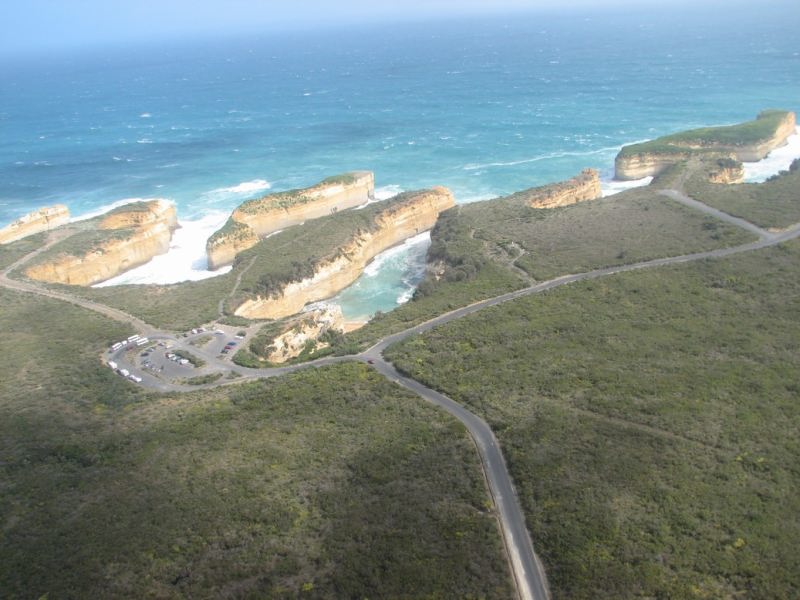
(13, 251)
(331, 483)
(484, 249)
(774, 203)
(650, 424)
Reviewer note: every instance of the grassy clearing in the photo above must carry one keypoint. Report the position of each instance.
(177, 307)
(332, 483)
(82, 243)
(11, 253)
(649, 420)
(774, 203)
(488, 248)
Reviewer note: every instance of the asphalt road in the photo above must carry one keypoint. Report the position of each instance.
(525, 565)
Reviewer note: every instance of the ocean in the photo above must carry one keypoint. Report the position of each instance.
(484, 106)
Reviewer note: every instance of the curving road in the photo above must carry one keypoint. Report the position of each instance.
(525, 565)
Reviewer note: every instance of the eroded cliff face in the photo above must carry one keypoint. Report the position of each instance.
(256, 219)
(583, 187)
(40, 220)
(726, 171)
(637, 165)
(305, 330)
(134, 246)
(414, 213)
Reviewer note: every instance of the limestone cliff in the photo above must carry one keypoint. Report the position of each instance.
(583, 187)
(40, 220)
(408, 215)
(258, 218)
(747, 142)
(124, 239)
(305, 331)
(726, 171)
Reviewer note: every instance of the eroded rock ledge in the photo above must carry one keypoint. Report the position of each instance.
(256, 219)
(582, 187)
(408, 215)
(40, 220)
(748, 142)
(123, 239)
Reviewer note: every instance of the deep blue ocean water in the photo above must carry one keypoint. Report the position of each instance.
(485, 107)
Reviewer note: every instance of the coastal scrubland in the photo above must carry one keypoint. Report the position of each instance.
(649, 421)
(484, 249)
(14, 251)
(331, 483)
(774, 203)
(704, 138)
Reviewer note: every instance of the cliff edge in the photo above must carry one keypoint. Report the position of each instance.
(256, 219)
(125, 238)
(404, 216)
(582, 187)
(747, 142)
(40, 220)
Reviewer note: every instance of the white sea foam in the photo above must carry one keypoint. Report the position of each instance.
(612, 186)
(185, 260)
(145, 115)
(541, 157)
(236, 191)
(144, 141)
(778, 160)
(374, 267)
(387, 191)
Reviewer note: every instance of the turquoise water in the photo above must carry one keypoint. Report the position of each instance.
(484, 107)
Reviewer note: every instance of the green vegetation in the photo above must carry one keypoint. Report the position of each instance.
(11, 253)
(488, 248)
(196, 361)
(774, 203)
(331, 483)
(82, 243)
(231, 229)
(177, 307)
(712, 138)
(295, 253)
(201, 341)
(293, 197)
(344, 179)
(649, 421)
(204, 379)
(130, 208)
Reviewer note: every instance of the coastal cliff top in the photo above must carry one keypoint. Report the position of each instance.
(294, 197)
(287, 256)
(137, 214)
(764, 127)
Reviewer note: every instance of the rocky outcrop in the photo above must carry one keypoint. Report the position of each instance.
(747, 142)
(40, 220)
(583, 187)
(726, 171)
(256, 219)
(408, 215)
(124, 239)
(306, 330)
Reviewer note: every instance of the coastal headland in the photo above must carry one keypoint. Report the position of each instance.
(747, 142)
(118, 241)
(401, 217)
(255, 219)
(38, 221)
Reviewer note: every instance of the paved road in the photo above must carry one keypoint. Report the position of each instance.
(526, 567)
